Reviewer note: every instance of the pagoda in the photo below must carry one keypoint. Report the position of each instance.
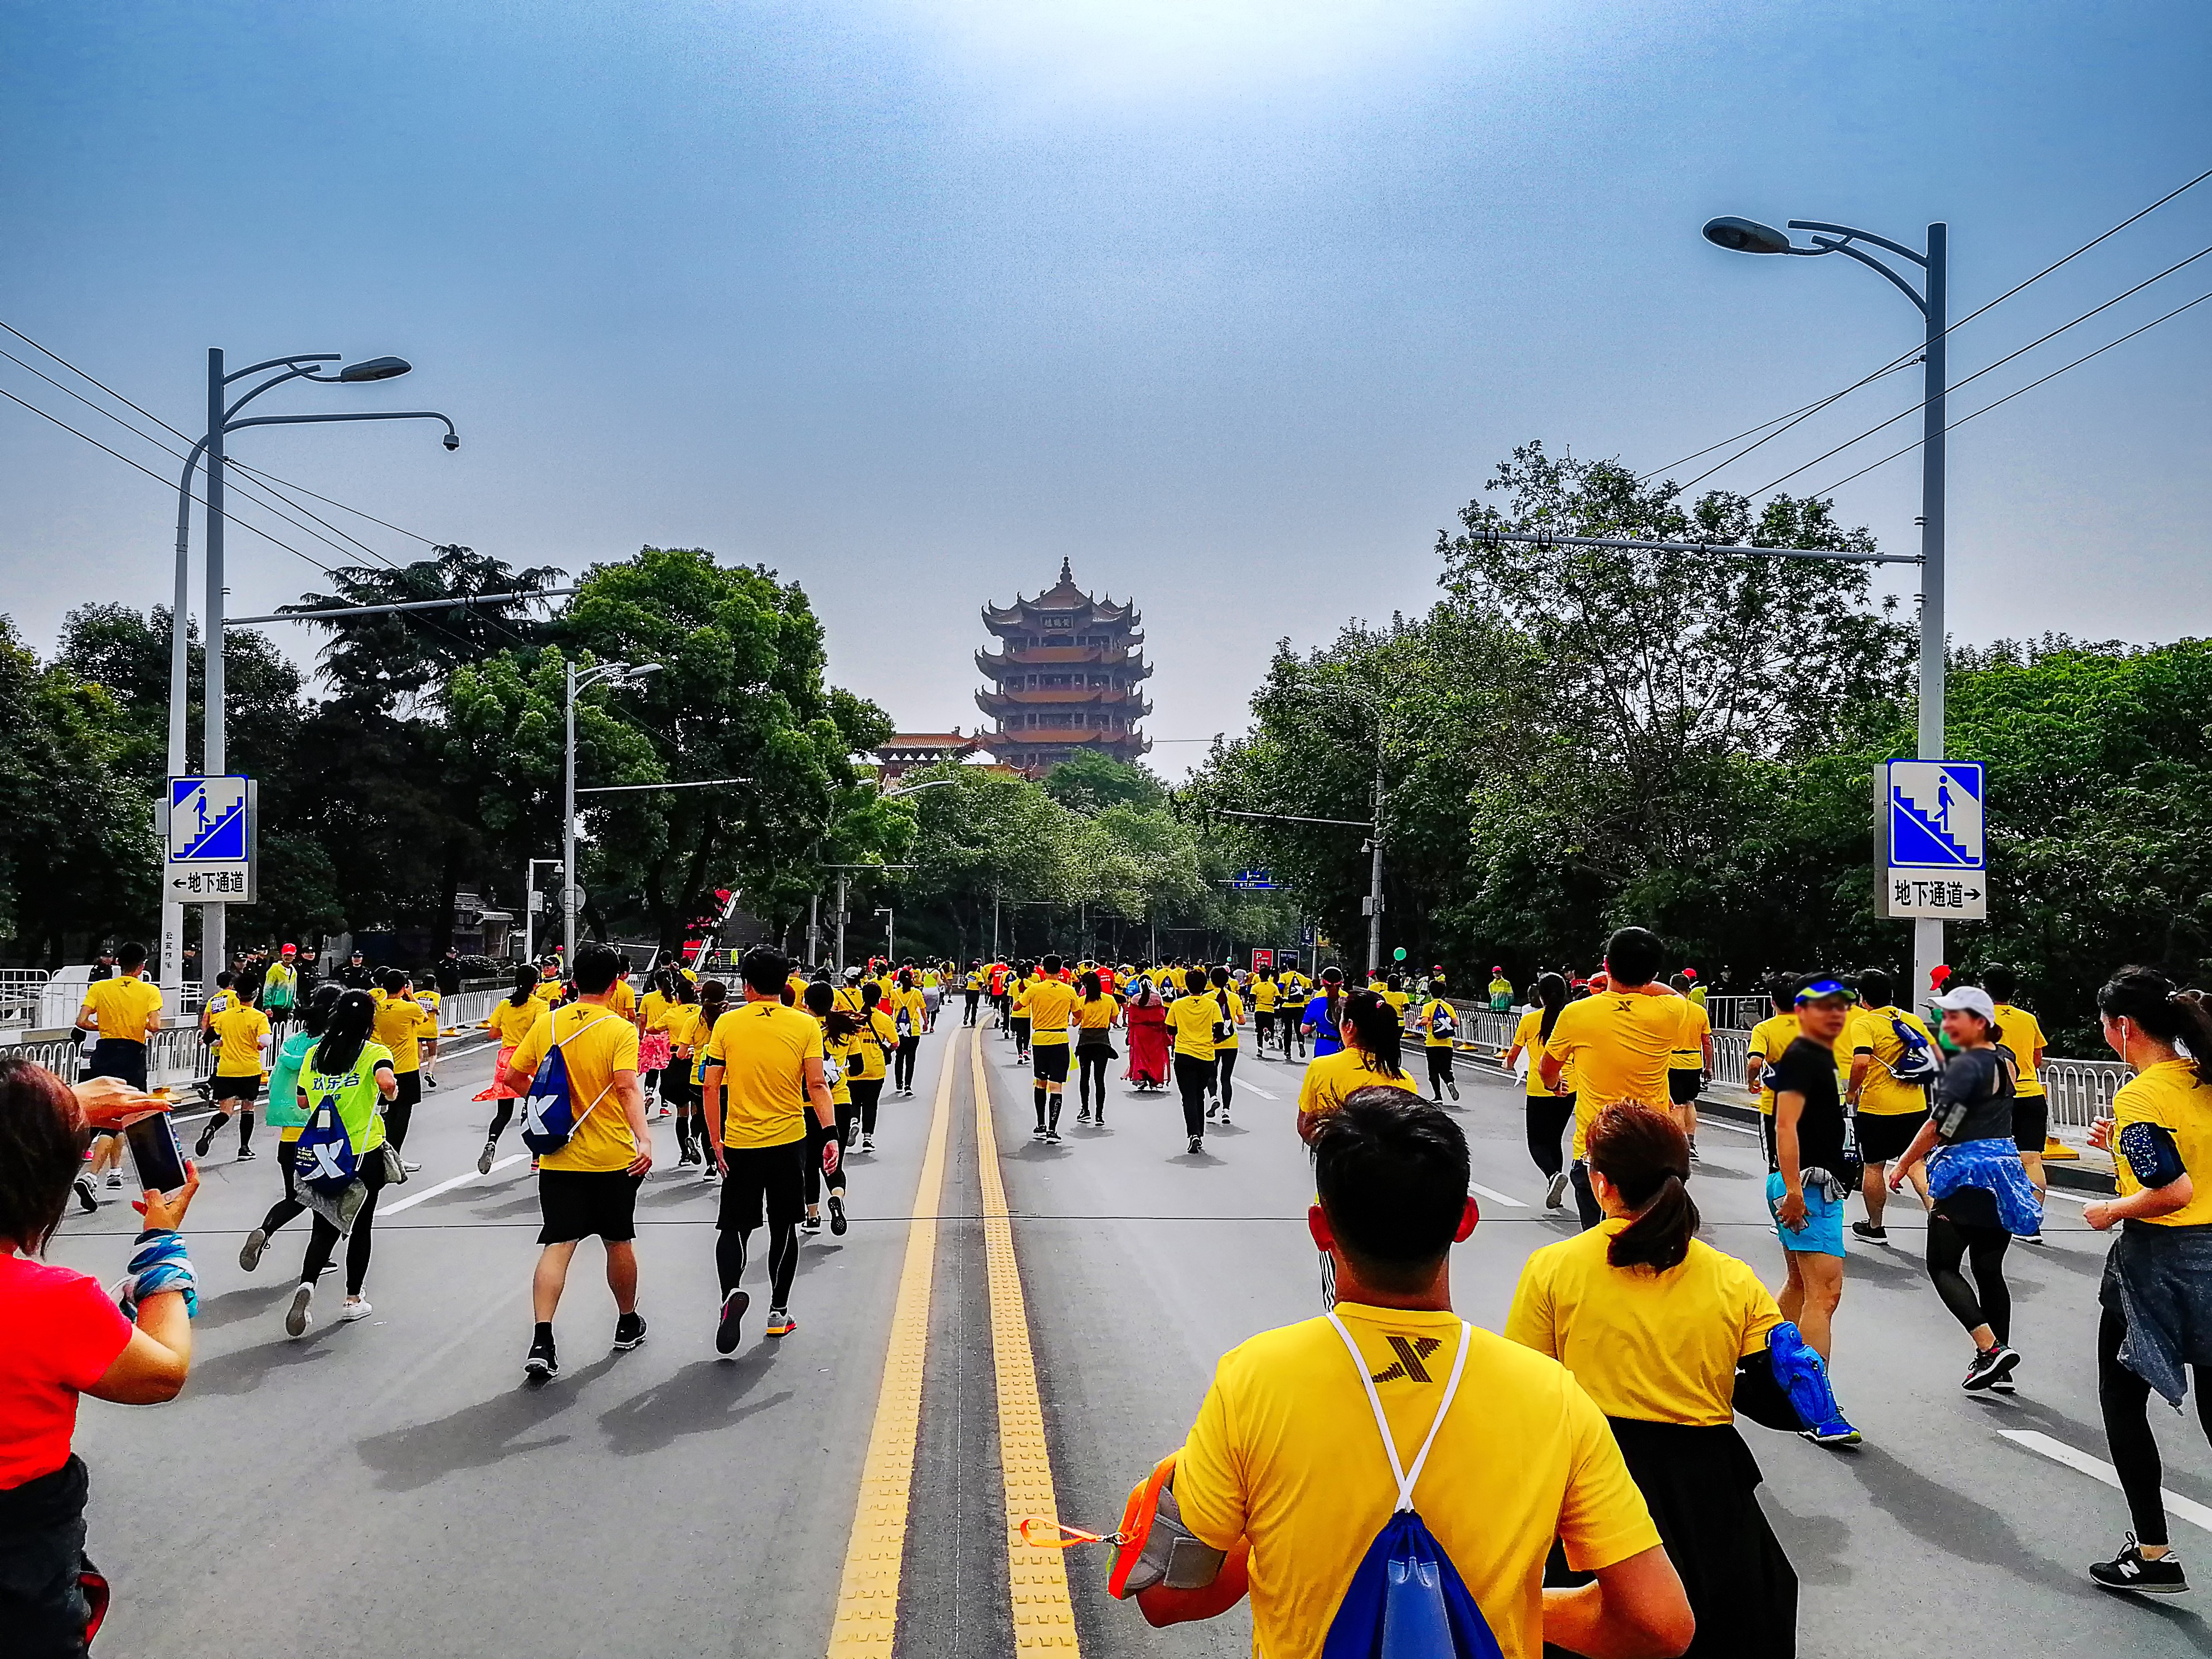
(1065, 678)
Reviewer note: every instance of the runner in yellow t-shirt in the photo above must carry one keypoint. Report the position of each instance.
(1546, 1108)
(1051, 1002)
(2020, 1031)
(242, 1045)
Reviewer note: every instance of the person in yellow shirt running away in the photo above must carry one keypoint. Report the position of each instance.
(1620, 1042)
(763, 1074)
(1280, 1476)
(1052, 1000)
(242, 1044)
(2031, 1105)
(1769, 1040)
(1439, 1025)
(403, 1025)
(1887, 1093)
(589, 1184)
(1672, 1340)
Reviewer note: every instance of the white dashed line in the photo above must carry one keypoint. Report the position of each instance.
(461, 1180)
(2182, 1508)
(1495, 1196)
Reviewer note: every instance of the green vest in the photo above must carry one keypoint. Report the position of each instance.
(355, 1090)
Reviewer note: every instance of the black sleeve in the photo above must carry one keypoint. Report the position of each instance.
(1760, 1398)
(2153, 1158)
(1789, 1073)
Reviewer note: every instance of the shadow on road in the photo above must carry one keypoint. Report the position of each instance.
(232, 1306)
(706, 1395)
(477, 1437)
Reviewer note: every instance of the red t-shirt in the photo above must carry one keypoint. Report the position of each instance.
(59, 1335)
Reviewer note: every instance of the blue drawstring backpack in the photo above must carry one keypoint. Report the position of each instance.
(324, 1156)
(1405, 1599)
(549, 1117)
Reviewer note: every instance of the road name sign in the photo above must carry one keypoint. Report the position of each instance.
(1253, 878)
(1929, 846)
(214, 833)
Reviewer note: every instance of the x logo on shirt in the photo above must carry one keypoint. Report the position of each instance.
(1411, 1353)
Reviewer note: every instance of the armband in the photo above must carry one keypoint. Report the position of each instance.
(1156, 1547)
(2153, 1158)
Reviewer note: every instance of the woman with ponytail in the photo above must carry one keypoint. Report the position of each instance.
(1373, 1040)
(1549, 1110)
(1659, 1329)
(1322, 1019)
(2157, 1291)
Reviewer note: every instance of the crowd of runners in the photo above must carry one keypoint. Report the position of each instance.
(771, 1079)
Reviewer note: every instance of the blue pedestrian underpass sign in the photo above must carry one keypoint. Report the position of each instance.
(213, 832)
(1928, 842)
(1261, 879)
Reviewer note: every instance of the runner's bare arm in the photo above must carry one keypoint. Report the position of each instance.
(1636, 1610)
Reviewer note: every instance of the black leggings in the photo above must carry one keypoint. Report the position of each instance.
(1440, 1067)
(324, 1241)
(502, 1112)
(1548, 1117)
(288, 1207)
(817, 1139)
(1090, 1064)
(1587, 1210)
(1192, 1075)
(2126, 1400)
(903, 1061)
(866, 1091)
(1983, 1249)
(1224, 1062)
(782, 1260)
(973, 998)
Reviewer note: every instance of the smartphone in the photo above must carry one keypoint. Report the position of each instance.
(157, 1153)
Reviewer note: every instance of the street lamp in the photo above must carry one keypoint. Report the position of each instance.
(222, 420)
(891, 935)
(813, 928)
(1749, 236)
(1373, 710)
(606, 673)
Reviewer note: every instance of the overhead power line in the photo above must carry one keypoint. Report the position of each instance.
(2030, 387)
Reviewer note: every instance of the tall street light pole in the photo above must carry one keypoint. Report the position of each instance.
(610, 673)
(222, 417)
(1933, 299)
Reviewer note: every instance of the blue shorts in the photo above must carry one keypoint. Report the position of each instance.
(1823, 1231)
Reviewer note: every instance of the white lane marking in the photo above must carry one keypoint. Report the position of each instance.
(1243, 1087)
(2182, 1508)
(2072, 1197)
(1495, 1196)
(461, 1180)
(1707, 1122)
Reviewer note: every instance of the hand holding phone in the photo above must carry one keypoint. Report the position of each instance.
(157, 1154)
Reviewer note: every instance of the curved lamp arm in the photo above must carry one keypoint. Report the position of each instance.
(314, 420)
(291, 362)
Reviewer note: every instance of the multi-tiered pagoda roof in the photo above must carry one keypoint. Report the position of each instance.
(1067, 678)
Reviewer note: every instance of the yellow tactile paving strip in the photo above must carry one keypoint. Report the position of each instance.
(1044, 1620)
(866, 1620)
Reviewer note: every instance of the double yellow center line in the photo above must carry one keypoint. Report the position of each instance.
(866, 1618)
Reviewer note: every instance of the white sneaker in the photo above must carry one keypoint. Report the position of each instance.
(356, 1308)
(296, 1317)
(410, 1168)
(1555, 1198)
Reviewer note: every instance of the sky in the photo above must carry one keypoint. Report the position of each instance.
(1233, 304)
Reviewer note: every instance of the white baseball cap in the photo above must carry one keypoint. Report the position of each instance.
(1970, 999)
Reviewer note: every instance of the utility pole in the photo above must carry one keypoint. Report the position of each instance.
(1375, 872)
(841, 924)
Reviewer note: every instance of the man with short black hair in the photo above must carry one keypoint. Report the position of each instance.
(1814, 1143)
(125, 1011)
(1051, 1001)
(588, 1184)
(763, 1071)
(1273, 1477)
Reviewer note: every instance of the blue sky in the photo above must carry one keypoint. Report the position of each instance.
(1232, 304)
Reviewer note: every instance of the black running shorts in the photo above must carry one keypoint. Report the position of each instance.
(1050, 1060)
(763, 1178)
(1883, 1136)
(1682, 1087)
(246, 1088)
(1440, 1061)
(117, 1057)
(578, 1203)
(2031, 1121)
(411, 1091)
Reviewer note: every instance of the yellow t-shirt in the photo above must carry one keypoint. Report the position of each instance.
(122, 1007)
(548, 990)
(621, 999)
(1400, 1001)
(1658, 1347)
(763, 1049)
(2168, 1096)
(239, 1028)
(916, 1006)
(1870, 1032)
(401, 1022)
(839, 1051)
(1284, 1453)
(880, 1034)
(1190, 1020)
(1265, 994)
(847, 997)
(2023, 1035)
(1228, 999)
(1529, 1035)
(1771, 1038)
(687, 1026)
(509, 1024)
(597, 1043)
(1097, 1015)
(1333, 1077)
(656, 1007)
(1050, 1002)
(1690, 1046)
(974, 983)
(1020, 1007)
(1430, 1039)
(1620, 1044)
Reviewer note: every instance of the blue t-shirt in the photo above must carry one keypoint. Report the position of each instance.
(1325, 1039)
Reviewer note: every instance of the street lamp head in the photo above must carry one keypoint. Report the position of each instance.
(641, 670)
(377, 368)
(451, 440)
(1746, 236)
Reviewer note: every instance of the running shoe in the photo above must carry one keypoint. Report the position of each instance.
(356, 1307)
(249, 1253)
(779, 1322)
(245, 1152)
(411, 1168)
(710, 1175)
(1051, 1136)
(1836, 1433)
(630, 1331)
(1197, 1144)
(1869, 1233)
(429, 1079)
(1454, 1087)
(543, 1364)
(115, 1180)
(812, 1225)
(1084, 1116)
(2131, 1569)
(296, 1319)
(85, 1197)
(1213, 1111)
(1224, 1116)
(726, 1324)
(837, 1222)
(1038, 1133)
(207, 1136)
(2035, 1237)
(1555, 1195)
(1990, 1367)
(867, 1143)
(483, 1162)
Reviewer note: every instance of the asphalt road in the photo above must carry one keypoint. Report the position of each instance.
(395, 1487)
